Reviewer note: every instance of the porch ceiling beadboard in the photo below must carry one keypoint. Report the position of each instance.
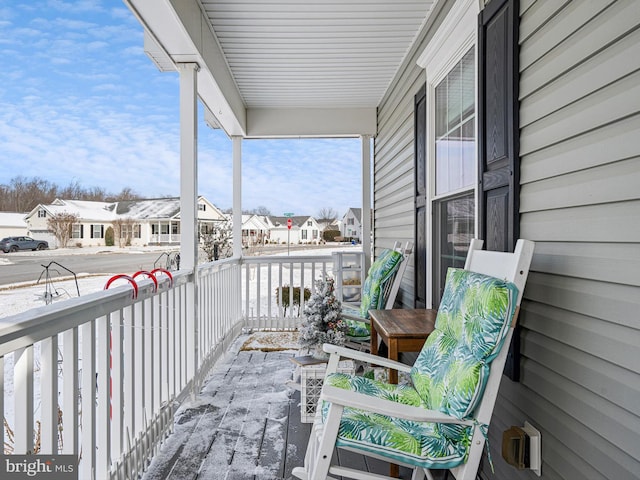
(286, 68)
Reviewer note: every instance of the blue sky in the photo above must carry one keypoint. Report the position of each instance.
(81, 102)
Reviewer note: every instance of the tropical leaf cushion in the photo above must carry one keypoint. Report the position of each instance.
(422, 444)
(372, 291)
(473, 319)
(355, 329)
(449, 376)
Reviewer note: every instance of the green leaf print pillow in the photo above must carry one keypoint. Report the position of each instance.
(473, 319)
(379, 273)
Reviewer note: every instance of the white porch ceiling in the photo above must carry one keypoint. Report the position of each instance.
(286, 67)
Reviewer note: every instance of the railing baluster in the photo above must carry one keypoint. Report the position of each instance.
(302, 301)
(88, 382)
(49, 395)
(147, 357)
(138, 366)
(258, 295)
(103, 380)
(247, 294)
(269, 290)
(163, 371)
(128, 380)
(23, 399)
(70, 393)
(117, 381)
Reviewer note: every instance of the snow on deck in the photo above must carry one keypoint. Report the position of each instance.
(239, 424)
(244, 424)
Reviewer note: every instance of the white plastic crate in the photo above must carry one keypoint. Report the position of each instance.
(311, 379)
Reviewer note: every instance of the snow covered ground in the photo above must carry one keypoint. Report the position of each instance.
(22, 297)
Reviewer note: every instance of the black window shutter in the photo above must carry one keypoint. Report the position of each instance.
(81, 231)
(101, 231)
(498, 128)
(420, 168)
(91, 231)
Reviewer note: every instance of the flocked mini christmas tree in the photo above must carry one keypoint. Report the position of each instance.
(322, 321)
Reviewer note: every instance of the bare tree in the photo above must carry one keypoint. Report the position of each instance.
(327, 214)
(126, 194)
(24, 194)
(60, 225)
(123, 231)
(216, 243)
(260, 210)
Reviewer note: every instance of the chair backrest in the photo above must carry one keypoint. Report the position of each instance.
(392, 286)
(459, 368)
(383, 279)
(473, 319)
(513, 267)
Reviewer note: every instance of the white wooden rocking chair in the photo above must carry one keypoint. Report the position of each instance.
(379, 291)
(440, 421)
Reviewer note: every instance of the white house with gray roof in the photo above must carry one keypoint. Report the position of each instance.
(304, 230)
(146, 222)
(12, 225)
(352, 224)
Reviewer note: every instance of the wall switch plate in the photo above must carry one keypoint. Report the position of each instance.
(535, 452)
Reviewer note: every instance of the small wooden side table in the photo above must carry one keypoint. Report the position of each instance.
(402, 330)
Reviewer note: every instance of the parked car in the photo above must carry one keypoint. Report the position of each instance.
(13, 244)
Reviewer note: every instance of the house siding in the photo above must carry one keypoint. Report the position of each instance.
(393, 170)
(580, 202)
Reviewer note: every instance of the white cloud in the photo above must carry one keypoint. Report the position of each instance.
(82, 103)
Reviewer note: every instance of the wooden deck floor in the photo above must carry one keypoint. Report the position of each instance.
(245, 424)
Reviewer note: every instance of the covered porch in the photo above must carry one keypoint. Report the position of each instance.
(554, 158)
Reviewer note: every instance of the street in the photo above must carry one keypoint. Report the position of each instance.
(27, 266)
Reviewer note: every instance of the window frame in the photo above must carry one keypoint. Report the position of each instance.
(455, 37)
(76, 228)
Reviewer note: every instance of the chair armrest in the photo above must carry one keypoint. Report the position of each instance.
(365, 357)
(382, 406)
(357, 318)
(355, 305)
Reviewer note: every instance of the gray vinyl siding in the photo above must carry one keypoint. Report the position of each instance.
(580, 203)
(393, 169)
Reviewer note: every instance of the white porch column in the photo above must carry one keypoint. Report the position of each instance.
(188, 164)
(237, 196)
(188, 202)
(366, 201)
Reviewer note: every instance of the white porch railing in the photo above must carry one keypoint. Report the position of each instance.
(165, 238)
(269, 282)
(100, 376)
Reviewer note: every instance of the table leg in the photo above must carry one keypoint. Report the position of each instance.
(374, 340)
(393, 355)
